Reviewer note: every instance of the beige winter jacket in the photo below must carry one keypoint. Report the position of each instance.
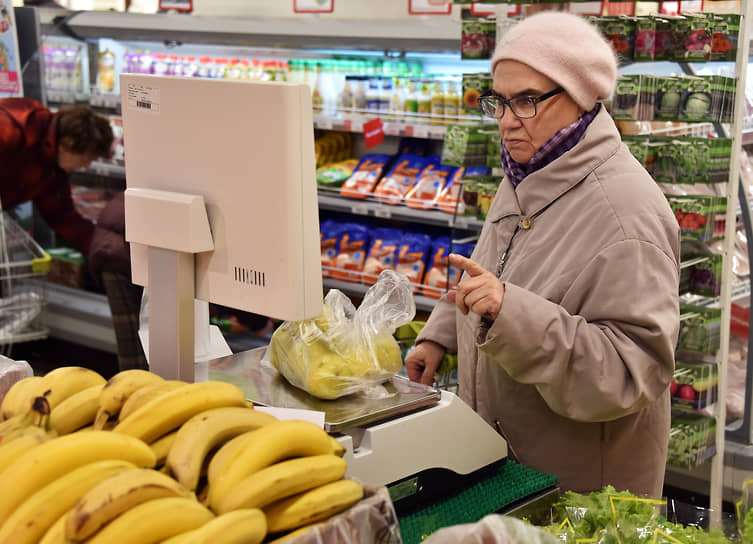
(575, 369)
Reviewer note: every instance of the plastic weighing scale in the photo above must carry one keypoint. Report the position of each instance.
(420, 442)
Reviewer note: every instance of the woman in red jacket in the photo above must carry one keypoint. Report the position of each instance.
(38, 151)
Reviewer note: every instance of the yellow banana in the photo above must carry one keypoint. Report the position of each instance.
(38, 416)
(203, 432)
(110, 498)
(62, 382)
(76, 411)
(267, 445)
(33, 517)
(117, 390)
(153, 521)
(313, 505)
(282, 480)
(27, 439)
(246, 526)
(50, 460)
(169, 411)
(161, 447)
(144, 394)
(15, 400)
(225, 454)
(280, 540)
(56, 533)
(337, 448)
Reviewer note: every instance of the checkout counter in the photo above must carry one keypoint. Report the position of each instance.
(441, 463)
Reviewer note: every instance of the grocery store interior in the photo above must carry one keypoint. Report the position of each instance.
(392, 84)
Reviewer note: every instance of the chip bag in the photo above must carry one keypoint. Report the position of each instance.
(346, 350)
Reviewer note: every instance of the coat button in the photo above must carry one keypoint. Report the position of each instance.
(526, 222)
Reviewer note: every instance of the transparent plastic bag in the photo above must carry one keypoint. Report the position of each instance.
(346, 350)
(493, 529)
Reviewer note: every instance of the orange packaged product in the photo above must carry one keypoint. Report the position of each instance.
(411, 261)
(361, 182)
(427, 189)
(450, 198)
(329, 240)
(352, 253)
(438, 279)
(399, 180)
(382, 254)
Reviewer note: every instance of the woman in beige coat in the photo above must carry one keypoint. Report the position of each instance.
(567, 316)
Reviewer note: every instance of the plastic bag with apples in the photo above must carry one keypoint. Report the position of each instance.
(346, 350)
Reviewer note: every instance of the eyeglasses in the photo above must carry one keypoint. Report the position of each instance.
(523, 107)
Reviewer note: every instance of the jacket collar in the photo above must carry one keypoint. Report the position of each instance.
(600, 141)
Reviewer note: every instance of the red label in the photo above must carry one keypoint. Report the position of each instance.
(409, 130)
(373, 133)
(347, 124)
(9, 82)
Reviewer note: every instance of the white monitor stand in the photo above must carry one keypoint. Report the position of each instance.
(221, 203)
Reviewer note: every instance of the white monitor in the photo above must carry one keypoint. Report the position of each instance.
(247, 148)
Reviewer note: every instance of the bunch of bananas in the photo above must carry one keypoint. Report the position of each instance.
(137, 458)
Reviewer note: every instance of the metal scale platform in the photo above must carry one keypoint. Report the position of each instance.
(425, 445)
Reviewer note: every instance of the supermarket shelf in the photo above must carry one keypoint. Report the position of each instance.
(404, 125)
(747, 136)
(402, 213)
(80, 316)
(423, 304)
(437, 34)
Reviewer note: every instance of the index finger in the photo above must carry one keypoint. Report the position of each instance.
(470, 266)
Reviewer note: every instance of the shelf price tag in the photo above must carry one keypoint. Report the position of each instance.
(393, 129)
(421, 131)
(325, 123)
(383, 212)
(373, 133)
(459, 221)
(359, 209)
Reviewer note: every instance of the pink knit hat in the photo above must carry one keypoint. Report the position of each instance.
(567, 49)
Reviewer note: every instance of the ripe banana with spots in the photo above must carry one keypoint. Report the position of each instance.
(281, 480)
(50, 460)
(203, 432)
(76, 411)
(62, 382)
(144, 394)
(245, 526)
(117, 390)
(263, 447)
(37, 417)
(32, 518)
(26, 440)
(153, 521)
(111, 497)
(313, 505)
(17, 399)
(169, 411)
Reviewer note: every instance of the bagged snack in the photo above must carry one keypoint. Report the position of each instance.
(365, 176)
(344, 350)
(430, 184)
(440, 277)
(329, 240)
(401, 177)
(351, 253)
(382, 253)
(414, 252)
(335, 173)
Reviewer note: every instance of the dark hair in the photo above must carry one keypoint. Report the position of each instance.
(84, 132)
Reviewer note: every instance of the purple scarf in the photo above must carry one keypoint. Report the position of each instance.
(564, 140)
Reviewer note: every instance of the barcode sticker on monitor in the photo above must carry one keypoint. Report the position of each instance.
(143, 97)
